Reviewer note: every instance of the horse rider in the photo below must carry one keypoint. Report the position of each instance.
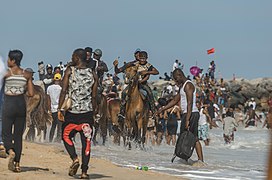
(96, 64)
(145, 69)
(122, 69)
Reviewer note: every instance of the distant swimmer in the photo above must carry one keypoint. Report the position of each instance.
(251, 117)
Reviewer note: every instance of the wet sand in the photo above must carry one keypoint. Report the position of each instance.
(42, 161)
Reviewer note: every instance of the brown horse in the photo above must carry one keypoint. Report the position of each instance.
(118, 127)
(136, 116)
(37, 114)
(101, 120)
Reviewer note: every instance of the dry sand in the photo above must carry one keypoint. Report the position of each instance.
(40, 161)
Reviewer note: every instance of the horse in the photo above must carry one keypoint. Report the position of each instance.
(101, 120)
(117, 126)
(136, 111)
(37, 113)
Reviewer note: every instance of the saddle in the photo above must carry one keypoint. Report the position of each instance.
(144, 94)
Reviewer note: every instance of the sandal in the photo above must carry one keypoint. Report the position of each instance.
(11, 165)
(17, 167)
(84, 176)
(74, 167)
(2, 147)
(3, 153)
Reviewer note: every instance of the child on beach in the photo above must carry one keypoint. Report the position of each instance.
(229, 127)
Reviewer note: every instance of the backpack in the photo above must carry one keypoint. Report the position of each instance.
(185, 145)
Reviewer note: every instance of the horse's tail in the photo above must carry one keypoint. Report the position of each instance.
(40, 115)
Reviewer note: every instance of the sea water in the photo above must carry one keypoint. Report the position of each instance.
(245, 158)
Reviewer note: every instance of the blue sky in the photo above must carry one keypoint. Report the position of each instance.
(240, 31)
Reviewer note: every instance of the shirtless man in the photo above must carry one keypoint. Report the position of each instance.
(251, 117)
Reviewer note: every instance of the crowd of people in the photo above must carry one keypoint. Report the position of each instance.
(212, 97)
(196, 104)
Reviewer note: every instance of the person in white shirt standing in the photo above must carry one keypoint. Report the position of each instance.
(203, 123)
(53, 92)
(253, 103)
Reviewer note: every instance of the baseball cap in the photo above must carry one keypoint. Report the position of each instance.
(29, 70)
(98, 52)
(137, 50)
(49, 66)
(57, 76)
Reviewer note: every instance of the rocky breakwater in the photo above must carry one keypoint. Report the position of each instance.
(241, 90)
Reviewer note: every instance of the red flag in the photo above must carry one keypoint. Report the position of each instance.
(210, 51)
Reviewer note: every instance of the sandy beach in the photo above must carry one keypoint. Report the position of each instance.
(40, 161)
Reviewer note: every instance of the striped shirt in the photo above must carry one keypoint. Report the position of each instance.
(15, 84)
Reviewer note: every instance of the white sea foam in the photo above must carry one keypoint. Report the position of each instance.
(245, 158)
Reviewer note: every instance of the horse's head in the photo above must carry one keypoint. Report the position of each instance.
(131, 73)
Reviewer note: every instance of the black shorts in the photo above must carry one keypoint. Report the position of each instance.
(193, 123)
(172, 126)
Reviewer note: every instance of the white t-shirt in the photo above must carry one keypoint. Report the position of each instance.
(230, 123)
(2, 72)
(202, 118)
(54, 92)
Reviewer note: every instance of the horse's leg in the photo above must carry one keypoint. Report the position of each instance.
(130, 137)
(36, 135)
(39, 135)
(42, 136)
(25, 133)
(103, 120)
(103, 128)
(31, 133)
(144, 129)
(139, 124)
(96, 127)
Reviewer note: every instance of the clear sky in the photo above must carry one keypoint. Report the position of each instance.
(50, 30)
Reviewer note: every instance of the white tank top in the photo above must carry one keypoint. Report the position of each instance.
(202, 118)
(183, 98)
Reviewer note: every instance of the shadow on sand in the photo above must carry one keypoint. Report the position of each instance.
(94, 176)
(24, 169)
